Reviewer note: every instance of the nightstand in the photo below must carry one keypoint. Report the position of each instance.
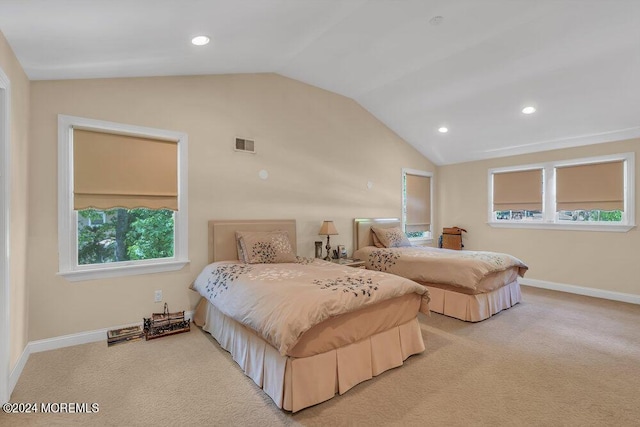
(355, 263)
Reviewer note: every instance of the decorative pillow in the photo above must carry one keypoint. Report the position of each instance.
(391, 237)
(376, 241)
(267, 247)
(241, 256)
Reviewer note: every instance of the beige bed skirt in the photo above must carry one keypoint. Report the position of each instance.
(297, 383)
(474, 308)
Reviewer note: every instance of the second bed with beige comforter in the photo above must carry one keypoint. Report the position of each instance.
(472, 271)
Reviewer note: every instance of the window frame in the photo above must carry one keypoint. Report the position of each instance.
(68, 266)
(5, 232)
(403, 215)
(549, 215)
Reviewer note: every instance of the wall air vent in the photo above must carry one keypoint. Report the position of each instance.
(246, 145)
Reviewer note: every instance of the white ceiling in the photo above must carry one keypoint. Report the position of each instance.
(577, 61)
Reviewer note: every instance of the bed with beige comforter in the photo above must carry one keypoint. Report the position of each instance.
(317, 317)
(283, 301)
(469, 285)
(464, 269)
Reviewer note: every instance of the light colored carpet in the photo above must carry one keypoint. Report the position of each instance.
(554, 360)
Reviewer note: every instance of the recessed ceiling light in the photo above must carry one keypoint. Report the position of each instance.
(200, 40)
(529, 110)
(443, 129)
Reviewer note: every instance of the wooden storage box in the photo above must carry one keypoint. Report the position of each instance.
(452, 230)
(452, 241)
(452, 238)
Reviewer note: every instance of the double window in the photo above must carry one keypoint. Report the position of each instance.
(594, 193)
(416, 204)
(122, 199)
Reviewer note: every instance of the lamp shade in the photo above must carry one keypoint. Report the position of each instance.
(328, 229)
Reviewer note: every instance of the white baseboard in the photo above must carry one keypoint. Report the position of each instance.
(17, 370)
(61, 342)
(581, 290)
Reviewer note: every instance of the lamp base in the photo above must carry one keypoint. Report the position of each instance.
(328, 247)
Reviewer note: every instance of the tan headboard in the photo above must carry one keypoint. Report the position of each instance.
(362, 229)
(222, 235)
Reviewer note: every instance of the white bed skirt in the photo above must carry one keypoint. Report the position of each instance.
(297, 383)
(474, 308)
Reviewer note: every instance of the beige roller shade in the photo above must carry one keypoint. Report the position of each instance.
(418, 194)
(520, 190)
(593, 186)
(112, 171)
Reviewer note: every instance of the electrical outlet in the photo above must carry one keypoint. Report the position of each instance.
(157, 296)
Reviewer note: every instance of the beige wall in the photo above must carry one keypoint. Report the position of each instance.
(18, 223)
(320, 150)
(602, 260)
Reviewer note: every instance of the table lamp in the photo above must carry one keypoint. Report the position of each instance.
(328, 229)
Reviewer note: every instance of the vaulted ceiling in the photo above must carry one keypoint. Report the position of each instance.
(417, 65)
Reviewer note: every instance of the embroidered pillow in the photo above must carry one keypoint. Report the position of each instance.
(268, 247)
(391, 237)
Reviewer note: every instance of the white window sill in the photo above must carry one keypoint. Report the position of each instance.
(421, 241)
(93, 272)
(614, 228)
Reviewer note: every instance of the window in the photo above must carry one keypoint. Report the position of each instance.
(122, 199)
(517, 195)
(595, 193)
(416, 204)
(120, 234)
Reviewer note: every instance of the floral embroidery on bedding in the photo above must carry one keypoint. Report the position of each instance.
(304, 260)
(391, 237)
(272, 273)
(349, 284)
(265, 247)
(494, 259)
(222, 276)
(396, 238)
(263, 252)
(382, 259)
(419, 253)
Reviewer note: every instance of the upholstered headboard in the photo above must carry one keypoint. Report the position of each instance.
(362, 229)
(222, 235)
